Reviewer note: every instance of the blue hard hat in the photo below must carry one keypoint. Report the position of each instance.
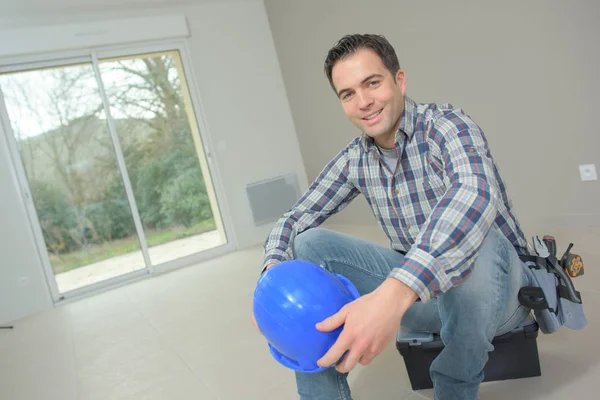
(289, 300)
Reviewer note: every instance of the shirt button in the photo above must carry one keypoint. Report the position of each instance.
(408, 227)
(397, 191)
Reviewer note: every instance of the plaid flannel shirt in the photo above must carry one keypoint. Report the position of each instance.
(436, 207)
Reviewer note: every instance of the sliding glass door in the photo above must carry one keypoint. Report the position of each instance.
(112, 158)
(149, 101)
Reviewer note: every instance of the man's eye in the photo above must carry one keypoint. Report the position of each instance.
(346, 96)
(373, 83)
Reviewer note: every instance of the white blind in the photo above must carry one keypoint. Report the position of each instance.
(30, 40)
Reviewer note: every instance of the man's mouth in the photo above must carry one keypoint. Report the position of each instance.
(374, 115)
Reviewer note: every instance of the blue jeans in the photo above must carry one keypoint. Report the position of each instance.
(467, 317)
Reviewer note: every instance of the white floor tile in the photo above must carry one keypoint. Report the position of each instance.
(130, 378)
(233, 365)
(56, 381)
(98, 354)
(176, 388)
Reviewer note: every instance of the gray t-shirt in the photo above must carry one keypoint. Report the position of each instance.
(390, 157)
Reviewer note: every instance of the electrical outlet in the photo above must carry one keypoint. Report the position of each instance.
(24, 281)
(588, 172)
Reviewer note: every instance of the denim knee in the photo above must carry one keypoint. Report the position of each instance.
(306, 243)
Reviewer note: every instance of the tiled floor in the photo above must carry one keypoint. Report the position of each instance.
(188, 335)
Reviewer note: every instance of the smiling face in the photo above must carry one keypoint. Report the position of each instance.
(370, 96)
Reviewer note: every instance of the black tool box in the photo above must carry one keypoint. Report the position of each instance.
(515, 355)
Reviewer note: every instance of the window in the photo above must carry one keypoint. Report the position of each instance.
(112, 157)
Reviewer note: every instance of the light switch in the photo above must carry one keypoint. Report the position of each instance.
(588, 172)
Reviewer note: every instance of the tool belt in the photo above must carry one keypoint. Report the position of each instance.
(552, 296)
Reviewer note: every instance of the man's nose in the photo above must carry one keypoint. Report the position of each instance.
(364, 100)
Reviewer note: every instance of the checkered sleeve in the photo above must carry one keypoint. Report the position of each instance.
(446, 247)
(329, 193)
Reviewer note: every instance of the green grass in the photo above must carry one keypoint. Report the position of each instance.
(76, 259)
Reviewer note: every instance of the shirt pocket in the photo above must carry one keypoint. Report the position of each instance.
(416, 200)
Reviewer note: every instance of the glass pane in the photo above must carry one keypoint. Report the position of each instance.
(156, 125)
(61, 132)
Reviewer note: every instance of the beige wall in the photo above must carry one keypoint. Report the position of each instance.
(526, 71)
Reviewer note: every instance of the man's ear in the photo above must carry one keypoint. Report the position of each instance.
(400, 78)
(400, 75)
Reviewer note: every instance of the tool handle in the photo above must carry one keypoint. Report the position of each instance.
(562, 274)
(564, 257)
(533, 297)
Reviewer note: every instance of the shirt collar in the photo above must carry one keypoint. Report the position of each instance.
(407, 125)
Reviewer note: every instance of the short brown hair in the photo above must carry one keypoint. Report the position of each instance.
(349, 44)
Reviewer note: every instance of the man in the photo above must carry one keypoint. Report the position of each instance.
(453, 267)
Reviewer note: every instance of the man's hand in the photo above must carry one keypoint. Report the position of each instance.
(254, 319)
(370, 323)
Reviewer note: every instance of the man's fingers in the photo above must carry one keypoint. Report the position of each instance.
(336, 351)
(366, 359)
(358, 351)
(333, 322)
(349, 362)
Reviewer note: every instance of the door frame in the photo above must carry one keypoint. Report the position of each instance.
(91, 56)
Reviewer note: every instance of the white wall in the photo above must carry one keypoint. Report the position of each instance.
(526, 71)
(246, 109)
(19, 257)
